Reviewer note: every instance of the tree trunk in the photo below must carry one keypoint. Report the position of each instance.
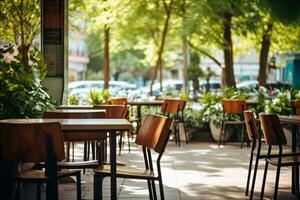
(263, 56)
(162, 44)
(185, 51)
(106, 57)
(228, 52)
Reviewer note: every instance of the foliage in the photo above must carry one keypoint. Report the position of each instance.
(280, 104)
(212, 108)
(97, 97)
(73, 100)
(21, 93)
(20, 21)
(262, 98)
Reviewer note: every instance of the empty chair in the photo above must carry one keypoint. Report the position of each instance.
(174, 108)
(232, 107)
(32, 141)
(153, 135)
(274, 136)
(255, 137)
(87, 137)
(115, 112)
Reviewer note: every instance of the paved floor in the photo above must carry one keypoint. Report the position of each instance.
(190, 172)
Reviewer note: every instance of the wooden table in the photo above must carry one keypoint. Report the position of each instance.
(100, 125)
(295, 122)
(75, 107)
(139, 105)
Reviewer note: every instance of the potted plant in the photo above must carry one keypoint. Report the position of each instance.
(213, 109)
(281, 105)
(21, 92)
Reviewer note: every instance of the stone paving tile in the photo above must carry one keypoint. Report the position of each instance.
(190, 172)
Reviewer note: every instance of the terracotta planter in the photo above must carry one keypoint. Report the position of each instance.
(215, 132)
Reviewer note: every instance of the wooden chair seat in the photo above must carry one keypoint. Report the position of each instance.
(285, 161)
(275, 153)
(90, 164)
(39, 175)
(234, 122)
(127, 172)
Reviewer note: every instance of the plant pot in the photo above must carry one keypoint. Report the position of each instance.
(215, 132)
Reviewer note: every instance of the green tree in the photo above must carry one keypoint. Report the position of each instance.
(20, 24)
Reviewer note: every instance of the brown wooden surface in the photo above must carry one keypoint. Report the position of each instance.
(154, 132)
(113, 111)
(118, 101)
(146, 103)
(81, 124)
(251, 126)
(234, 106)
(78, 107)
(293, 119)
(26, 142)
(272, 129)
(172, 106)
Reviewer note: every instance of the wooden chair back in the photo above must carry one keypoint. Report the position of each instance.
(171, 106)
(114, 111)
(251, 127)
(272, 129)
(73, 135)
(154, 132)
(28, 142)
(234, 106)
(296, 106)
(118, 101)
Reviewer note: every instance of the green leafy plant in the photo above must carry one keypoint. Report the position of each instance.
(262, 97)
(97, 97)
(73, 100)
(21, 92)
(280, 104)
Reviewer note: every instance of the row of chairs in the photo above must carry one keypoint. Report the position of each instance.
(273, 135)
(44, 142)
(173, 108)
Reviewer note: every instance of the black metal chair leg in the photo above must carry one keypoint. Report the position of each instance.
(161, 189)
(277, 182)
(264, 181)
(254, 178)
(221, 132)
(120, 143)
(150, 190)
(242, 137)
(98, 187)
(128, 137)
(18, 191)
(178, 134)
(78, 185)
(38, 191)
(249, 173)
(154, 190)
(225, 132)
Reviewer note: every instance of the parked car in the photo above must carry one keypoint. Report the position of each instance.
(253, 84)
(81, 89)
(214, 85)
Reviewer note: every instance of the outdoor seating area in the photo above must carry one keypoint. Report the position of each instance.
(149, 99)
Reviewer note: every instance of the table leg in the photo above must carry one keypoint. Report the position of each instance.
(113, 160)
(295, 169)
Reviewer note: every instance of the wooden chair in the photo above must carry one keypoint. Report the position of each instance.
(88, 138)
(173, 108)
(255, 136)
(295, 106)
(274, 136)
(232, 107)
(136, 120)
(35, 142)
(153, 135)
(116, 112)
